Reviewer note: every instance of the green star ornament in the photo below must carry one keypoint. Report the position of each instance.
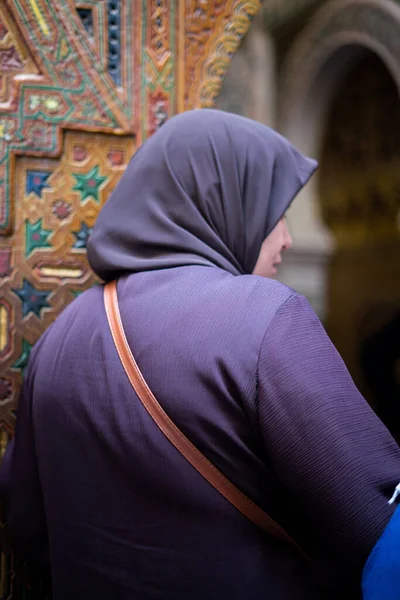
(89, 183)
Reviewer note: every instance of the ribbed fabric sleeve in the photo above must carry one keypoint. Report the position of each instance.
(330, 451)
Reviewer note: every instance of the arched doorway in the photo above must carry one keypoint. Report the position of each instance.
(359, 194)
(339, 100)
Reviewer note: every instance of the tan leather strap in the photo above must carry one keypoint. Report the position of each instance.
(175, 436)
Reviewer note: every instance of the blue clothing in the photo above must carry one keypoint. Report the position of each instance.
(381, 576)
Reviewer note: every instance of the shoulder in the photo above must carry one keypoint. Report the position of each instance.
(241, 310)
(72, 323)
(263, 297)
(246, 302)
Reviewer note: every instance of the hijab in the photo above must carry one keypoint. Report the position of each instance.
(206, 189)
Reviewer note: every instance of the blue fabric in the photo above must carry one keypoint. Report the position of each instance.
(381, 576)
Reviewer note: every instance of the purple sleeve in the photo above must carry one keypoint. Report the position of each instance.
(334, 457)
(20, 490)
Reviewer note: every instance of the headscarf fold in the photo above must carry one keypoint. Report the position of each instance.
(206, 189)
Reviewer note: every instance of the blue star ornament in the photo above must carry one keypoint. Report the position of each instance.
(36, 181)
(33, 300)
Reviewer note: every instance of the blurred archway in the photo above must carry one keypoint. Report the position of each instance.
(359, 192)
(328, 76)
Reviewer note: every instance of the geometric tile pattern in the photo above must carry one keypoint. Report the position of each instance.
(45, 265)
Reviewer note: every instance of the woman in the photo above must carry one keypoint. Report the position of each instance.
(238, 361)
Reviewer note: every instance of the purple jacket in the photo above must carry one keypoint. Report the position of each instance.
(245, 369)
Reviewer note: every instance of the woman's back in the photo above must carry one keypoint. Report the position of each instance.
(128, 517)
(243, 366)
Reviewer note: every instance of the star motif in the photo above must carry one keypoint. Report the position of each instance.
(36, 237)
(36, 181)
(82, 236)
(33, 300)
(21, 362)
(89, 183)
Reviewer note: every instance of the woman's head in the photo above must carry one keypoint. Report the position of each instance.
(206, 189)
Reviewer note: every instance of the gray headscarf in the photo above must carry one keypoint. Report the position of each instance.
(206, 189)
